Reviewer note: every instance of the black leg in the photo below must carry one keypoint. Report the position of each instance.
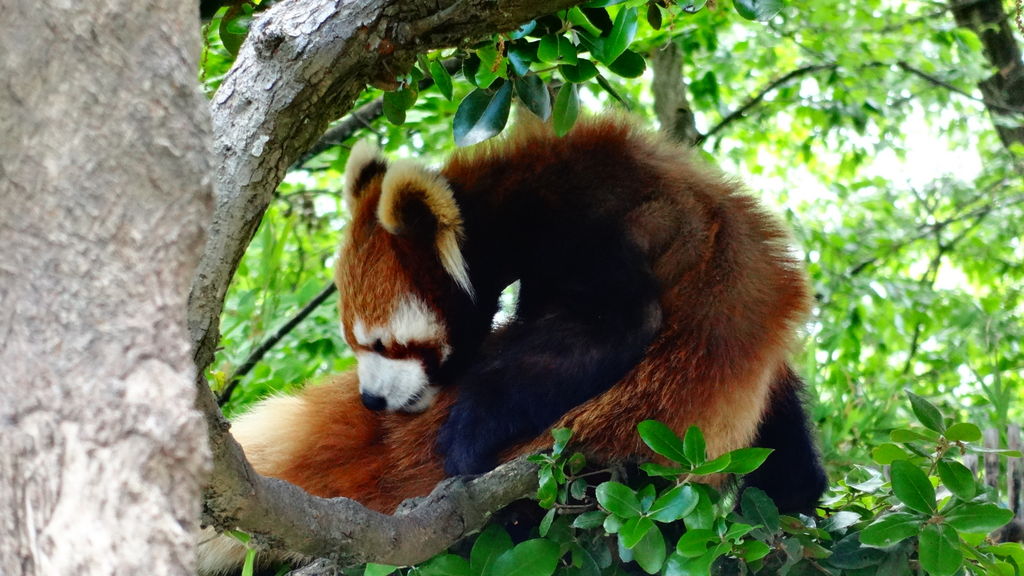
(792, 475)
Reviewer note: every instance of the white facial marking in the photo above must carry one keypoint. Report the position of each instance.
(402, 382)
(412, 321)
(364, 336)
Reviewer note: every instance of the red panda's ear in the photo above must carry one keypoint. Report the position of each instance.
(418, 202)
(364, 163)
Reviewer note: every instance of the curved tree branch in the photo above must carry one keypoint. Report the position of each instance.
(302, 66)
(285, 517)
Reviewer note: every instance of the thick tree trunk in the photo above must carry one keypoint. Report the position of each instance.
(671, 104)
(104, 192)
(1004, 90)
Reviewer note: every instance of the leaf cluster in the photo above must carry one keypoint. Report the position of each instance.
(931, 516)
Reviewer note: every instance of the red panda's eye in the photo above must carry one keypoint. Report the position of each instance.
(378, 346)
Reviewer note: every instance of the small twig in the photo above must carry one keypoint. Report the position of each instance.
(757, 98)
(270, 342)
(342, 131)
(943, 84)
(364, 116)
(927, 229)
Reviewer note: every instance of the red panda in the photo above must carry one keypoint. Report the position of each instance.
(650, 288)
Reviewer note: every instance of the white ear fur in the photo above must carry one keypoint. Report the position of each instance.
(408, 177)
(363, 154)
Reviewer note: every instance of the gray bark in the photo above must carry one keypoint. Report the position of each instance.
(1004, 90)
(671, 104)
(302, 66)
(104, 192)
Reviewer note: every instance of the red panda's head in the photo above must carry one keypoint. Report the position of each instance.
(401, 266)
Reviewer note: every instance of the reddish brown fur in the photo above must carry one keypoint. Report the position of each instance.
(729, 312)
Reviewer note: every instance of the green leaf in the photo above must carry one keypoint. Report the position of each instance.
(694, 446)
(599, 18)
(534, 95)
(888, 452)
(703, 516)
(649, 553)
(378, 569)
(753, 550)
(523, 30)
(912, 487)
(848, 554)
(618, 499)
(658, 470)
(759, 10)
(713, 466)
(905, 436)
(577, 462)
(547, 50)
(646, 495)
(980, 518)
(674, 504)
(926, 412)
(840, 521)
(567, 50)
(234, 27)
(545, 522)
(694, 543)
(578, 489)
(567, 109)
(746, 460)
(1008, 550)
(547, 490)
(613, 523)
(939, 550)
(662, 440)
(561, 436)
(491, 65)
(583, 562)
(537, 557)
(445, 565)
(864, 479)
(580, 21)
(654, 16)
(692, 6)
(1000, 451)
(583, 71)
(396, 103)
(621, 36)
(679, 565)
(758, 508)
(963, 432)
(442, 79)
(737, 531)
(249, 564)
(890, 529)
(634, 530)
(491, 543)
(629, 65)
(482, 115)
(958, 478)
(520, 61)
(589, 520)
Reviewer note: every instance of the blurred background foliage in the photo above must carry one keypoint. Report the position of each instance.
(861, 122)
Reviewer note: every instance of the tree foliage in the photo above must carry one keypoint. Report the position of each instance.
(861, 122)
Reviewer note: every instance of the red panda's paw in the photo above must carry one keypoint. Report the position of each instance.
(467, 441)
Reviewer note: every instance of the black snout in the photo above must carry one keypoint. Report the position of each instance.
(374, 402)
